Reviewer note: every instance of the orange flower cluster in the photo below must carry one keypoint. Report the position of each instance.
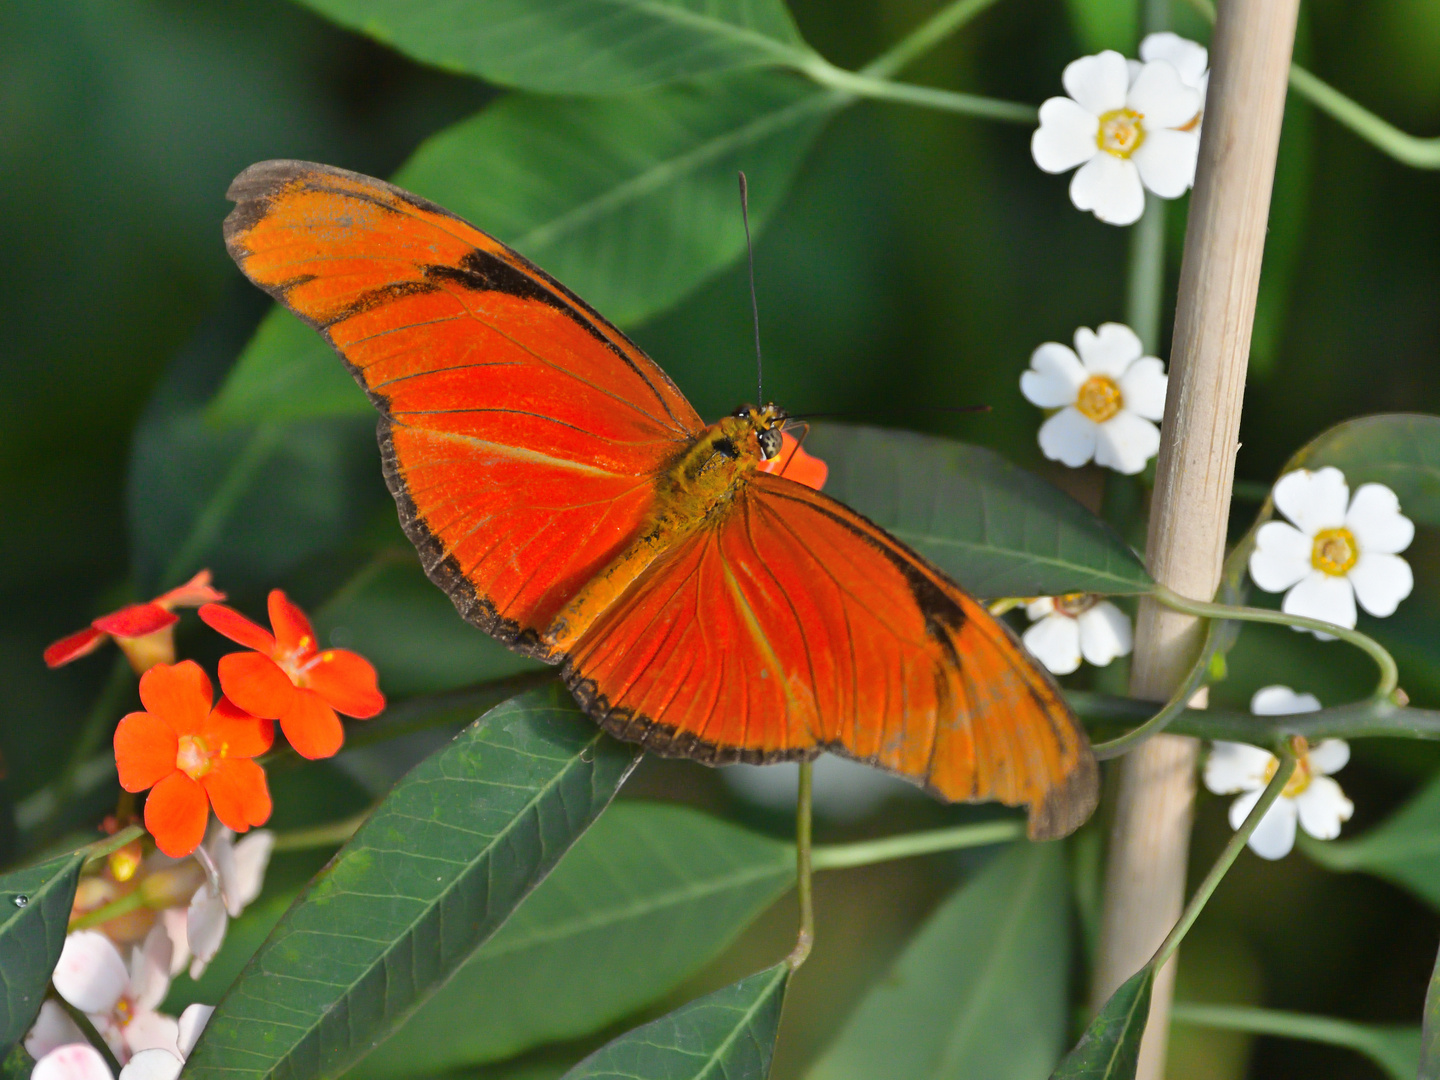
(194, 754)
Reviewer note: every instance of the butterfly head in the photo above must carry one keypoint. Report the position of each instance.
(766, 421)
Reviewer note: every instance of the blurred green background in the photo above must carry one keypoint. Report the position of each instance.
(918, 259)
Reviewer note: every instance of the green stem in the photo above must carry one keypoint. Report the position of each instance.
(217, 511)
(1403, 147)
(101, 849)
(331, 834)
(131, 901)
(806, 937)
(866, 852)
(1288, 1025)
(87, 1028)
(1227, 856)
(1178, 703)
(1145, 289)
(925, 37)
(1389, 673)
(860, 84)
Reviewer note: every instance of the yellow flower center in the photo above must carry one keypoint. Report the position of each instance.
(1075, 604)
(194, 757)
(1121, 132)
(1335, 551)
(1100, 398)
(124, 1011)
(1300, 778)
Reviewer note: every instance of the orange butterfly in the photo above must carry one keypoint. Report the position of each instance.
(572, 503)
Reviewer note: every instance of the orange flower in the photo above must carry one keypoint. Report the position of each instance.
(193, 756)
(144, 631)
(794, 463)
(287, 678)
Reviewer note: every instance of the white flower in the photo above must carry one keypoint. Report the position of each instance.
(235, 874)
(52, 1029)
(1190, 59)
(1108, 397)
(841, 790)
(1310, 797)
(81, 1061)
(1338, 550)
(1066, 628)
(121, 1002)
(1125, 134)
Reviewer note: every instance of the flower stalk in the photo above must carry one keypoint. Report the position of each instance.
(803, 884)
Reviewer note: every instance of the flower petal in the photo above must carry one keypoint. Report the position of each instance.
(1323, 808)
(1104, 634)
(1126, 442)
(1281, 556)
(91, 976)
(205, 924)
(1055, 642)
(1098, 83)
(1329, 757)
(312, 727)
(150, 968)
(192, 1023)
(1322, 596)
(1038, 608)
(245, 876)
(1143, 387)
(1313, 500)
(346, 681)
(1275, 835)
(1375, 519)
(1233, 766)
(1068, 437)
(137, 620)
(256, 684)
(193, 593)
(237, 791)
(1109, 349)
(77, 1061)
(1054, 378)
(1189, 58)
(1159, 95)
(293, 632)
(152, 1065)
(175, 813)
(53, 1028)
(236, 732)
(1166, 160)
(150, 1030)
(1381, 582)
(179, 694)
(795, 463)
(73, 647)
(229, 622)
(1282, 701)
(145, 749)
(1111, 187)
(1066, 136)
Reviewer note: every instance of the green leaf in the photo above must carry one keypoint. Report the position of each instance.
(34, 912)
(1404, 849)
(1105, 24)
(584, 47)
(643, 900)
(429, 877)
(730, 1034)
(1110, 1047)
(17, 1064)
(1399, 450)
(410, 631)
(980, 991)
(631, 202)
(1430, 1031)
(1395, 1048)
(995, 528)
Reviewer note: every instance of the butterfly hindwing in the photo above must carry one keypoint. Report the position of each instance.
(520, 431)
(794, 625)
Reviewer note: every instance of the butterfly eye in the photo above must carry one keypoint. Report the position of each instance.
(770, 442)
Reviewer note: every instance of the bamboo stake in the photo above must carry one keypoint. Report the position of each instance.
(1219, 276)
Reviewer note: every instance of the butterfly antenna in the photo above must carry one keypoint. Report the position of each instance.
(754, 303)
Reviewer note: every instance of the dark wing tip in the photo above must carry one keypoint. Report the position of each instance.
(1068, 805)
(262, 179)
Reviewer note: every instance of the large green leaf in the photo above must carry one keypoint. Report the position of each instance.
(579, 46)
(1430, 1029)
(1400, 450)
(430, 876)
(643, 900)
(1110, 1047)
(980, 991)
(994, 527)
(631, 202)
(1405, 848)
(34, 912)
(729, 1034)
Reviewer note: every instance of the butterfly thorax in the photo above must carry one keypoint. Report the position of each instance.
(695, 491)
